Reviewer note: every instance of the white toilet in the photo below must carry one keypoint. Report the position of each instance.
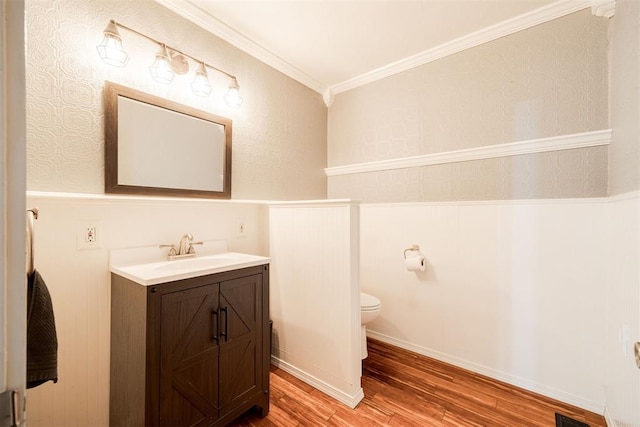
(370, 307)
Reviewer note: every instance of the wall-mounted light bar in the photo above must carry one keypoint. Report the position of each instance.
(168, 62)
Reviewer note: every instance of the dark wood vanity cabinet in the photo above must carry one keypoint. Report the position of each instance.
(194, 352)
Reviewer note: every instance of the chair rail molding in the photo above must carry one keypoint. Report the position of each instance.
(533, 146)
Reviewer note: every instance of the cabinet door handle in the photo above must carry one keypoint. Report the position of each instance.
(214, 325)
(15, 409)
(226, 322)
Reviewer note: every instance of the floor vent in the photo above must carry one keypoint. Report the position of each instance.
(564, 421)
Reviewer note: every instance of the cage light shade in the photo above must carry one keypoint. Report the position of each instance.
(233, 98)
(200, 85)
(161, 68)
(111, 50)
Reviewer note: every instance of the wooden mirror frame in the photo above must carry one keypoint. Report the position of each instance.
(112, 92)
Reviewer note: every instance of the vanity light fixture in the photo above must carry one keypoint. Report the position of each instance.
(111, 50)
(168, 62)
(200, 84)
(161, 68)
(233, 97)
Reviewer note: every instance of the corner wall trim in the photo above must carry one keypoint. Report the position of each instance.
(533, 146)
(605, 8)
(350, 401)
(608, 418)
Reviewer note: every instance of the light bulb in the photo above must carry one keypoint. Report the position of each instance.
(233, 98)
(161, 68)
(200, 84)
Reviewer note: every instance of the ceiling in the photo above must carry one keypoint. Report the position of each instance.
(331, 44)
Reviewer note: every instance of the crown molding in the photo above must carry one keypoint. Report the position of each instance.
(328, 97)
(193, 13)
(533, 146)
(605, 8)
(535, 17)
(558, 9)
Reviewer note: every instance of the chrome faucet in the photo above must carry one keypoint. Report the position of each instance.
(182, 250)
(182, 246)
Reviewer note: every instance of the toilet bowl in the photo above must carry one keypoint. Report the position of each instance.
(370, 307)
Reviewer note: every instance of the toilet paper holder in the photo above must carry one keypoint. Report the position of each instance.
(411, 248)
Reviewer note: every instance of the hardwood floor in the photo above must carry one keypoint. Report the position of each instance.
(407, 389)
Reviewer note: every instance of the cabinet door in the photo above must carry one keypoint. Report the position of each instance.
(241, 341)
(189, 357)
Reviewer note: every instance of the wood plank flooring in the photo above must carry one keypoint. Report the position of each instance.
(407, 389)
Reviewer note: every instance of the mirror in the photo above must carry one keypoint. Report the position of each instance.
(154, 146)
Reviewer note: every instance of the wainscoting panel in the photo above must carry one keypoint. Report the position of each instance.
(513, 290)
(314, 248)
(79, 282)
(623, 311)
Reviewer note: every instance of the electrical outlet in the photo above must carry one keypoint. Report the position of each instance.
(89, 235)
(241, 228)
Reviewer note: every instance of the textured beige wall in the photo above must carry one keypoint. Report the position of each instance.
(624, 160)
(562, 174)
(279, 133)
(545, 81)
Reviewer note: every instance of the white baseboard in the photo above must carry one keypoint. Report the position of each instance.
(349, 400)
(492, 373)
(608, 419)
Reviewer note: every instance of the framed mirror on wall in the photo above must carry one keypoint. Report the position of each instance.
(158, 147)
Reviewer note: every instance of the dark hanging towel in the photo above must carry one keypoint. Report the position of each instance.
(42, 342)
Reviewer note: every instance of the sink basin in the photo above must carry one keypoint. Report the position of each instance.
(194, 263)
(153, 273)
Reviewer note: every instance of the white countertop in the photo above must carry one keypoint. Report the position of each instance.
(149, 266)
